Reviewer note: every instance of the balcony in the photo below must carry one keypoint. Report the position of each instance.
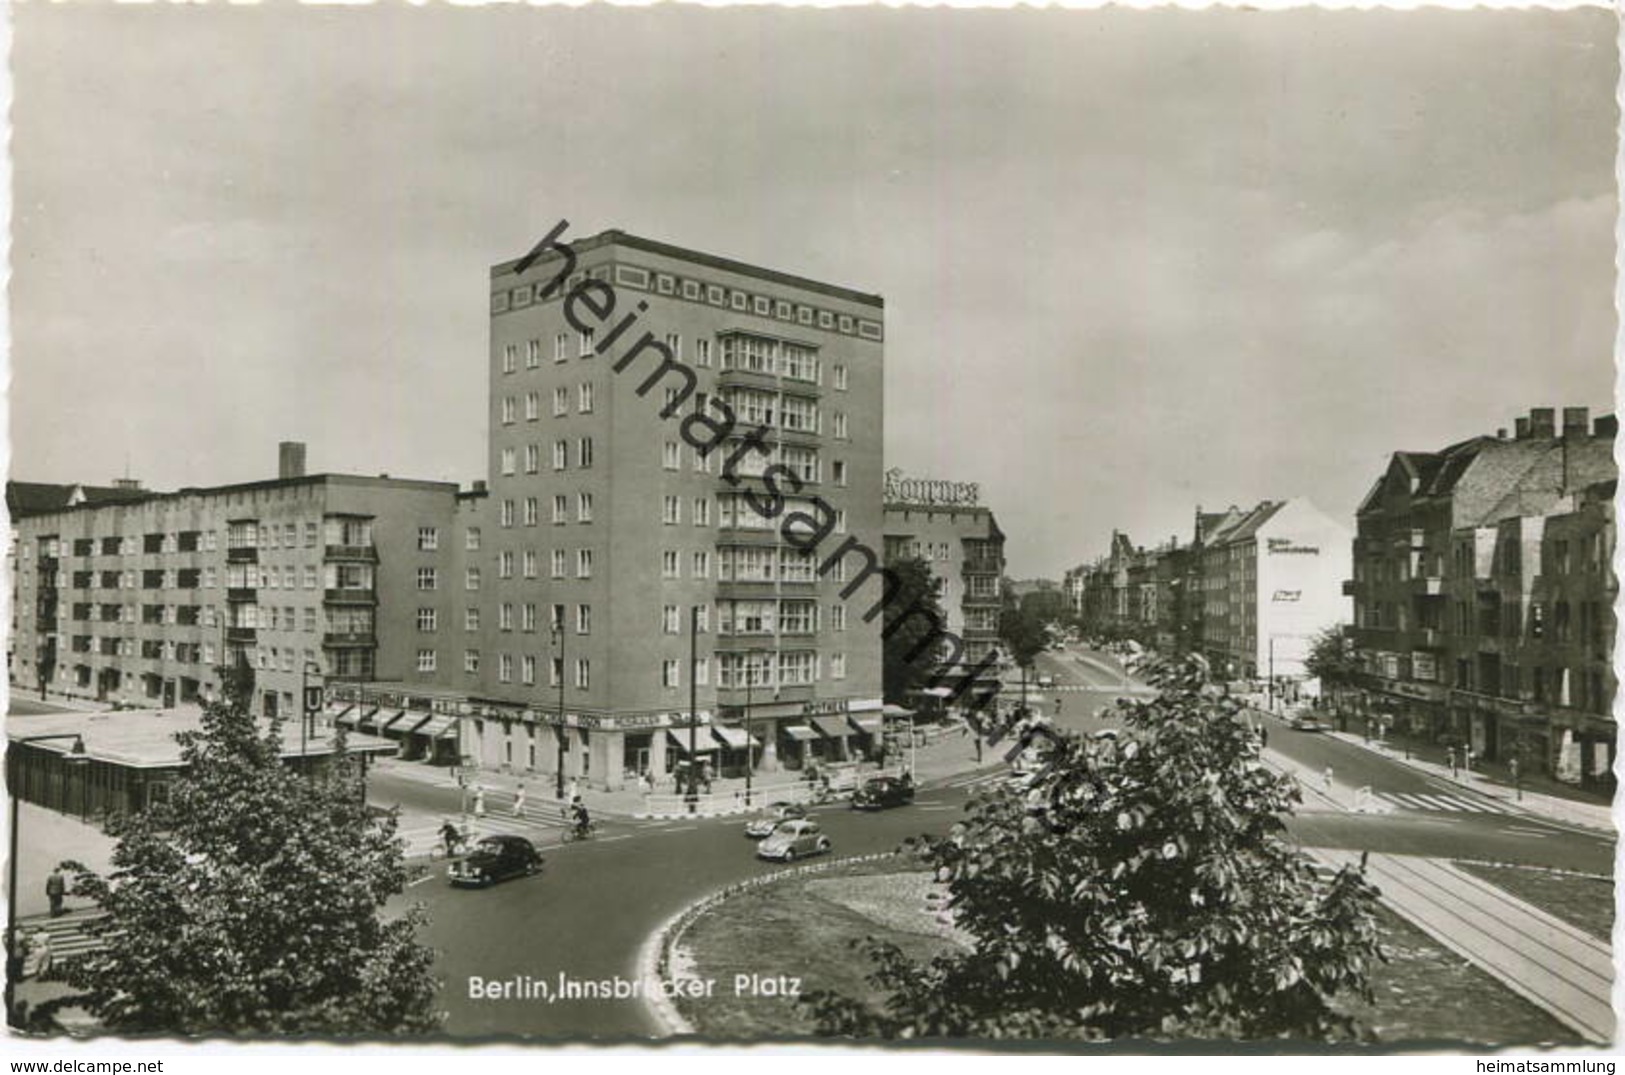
(742, 378)
(980, 601)
(243, 554)
(981, 565)
(363, 553)
(241, 593)
(1351, 587)
(742, 535)
(349, 638)
(746, 588)
(350, 597)
(241, 635)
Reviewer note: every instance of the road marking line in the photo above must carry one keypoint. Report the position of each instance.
(419, 881)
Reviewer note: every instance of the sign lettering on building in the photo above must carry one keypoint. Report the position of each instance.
(1285, 547)
(824, 708)
(1424, 666)
(1287, 595)
(901, 489)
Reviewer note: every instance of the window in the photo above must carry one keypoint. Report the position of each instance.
(471, 580)
(533, 458)
(471, 619)
(840, 426)
(840, 520)
(426, 619)
(471, 661)
(561, 401)
(527, 617)
(584, 398)
(672, 512)
(838, 468)
(508, 410)
(558, 563)
(533, 354)
(840, 377)
(702, 565)
(702, 511)
(584, 452)
(310, 536)
(583, 563)
(428, 578)
(561, 454)
(510, 358)
(310, 576)
(583, 673)
(837, 617)
(506, 517)
(561, 506)
(310, 620)
(555, 619)
(672, 455)
(671, 674)
(583, 619)
(471, 540)
(507, 460)
(505, 616)
(527, 670)
(583, 507)
(674, 344)
(505, 564)
(668, 564)
(530, 563)
(668, 620)
(702, 671)
(584, 344)
(837, 666)
(560, 347)
(532, 511)
(702, 352)
(426, 660)
(533, 406)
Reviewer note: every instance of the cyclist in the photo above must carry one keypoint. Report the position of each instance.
(578, 814)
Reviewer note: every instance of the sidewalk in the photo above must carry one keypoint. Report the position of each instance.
(1546, 961)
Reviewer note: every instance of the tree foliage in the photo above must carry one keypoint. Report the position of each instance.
(910, 655)
(252, 901)
(1022, 632)
(1140, 886)
(1332, 656)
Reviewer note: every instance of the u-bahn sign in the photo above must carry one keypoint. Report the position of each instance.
(901, 489)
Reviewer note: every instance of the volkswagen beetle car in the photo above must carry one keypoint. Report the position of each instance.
(879, 792)
(759, 827)
(494, 859)
(793, 840)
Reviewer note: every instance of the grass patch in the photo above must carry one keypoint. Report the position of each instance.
(1585, 903)
(1424, 993)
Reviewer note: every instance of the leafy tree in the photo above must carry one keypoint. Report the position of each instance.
(1141, 885)
(1332, 656)
(910, 653)
(1022, 633)
(251, 902)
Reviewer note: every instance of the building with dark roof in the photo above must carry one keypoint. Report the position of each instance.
(1483, 593)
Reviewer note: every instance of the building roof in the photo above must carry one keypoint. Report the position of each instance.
(42, 498)
(145, 739)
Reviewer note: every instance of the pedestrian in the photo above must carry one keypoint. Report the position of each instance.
(479, 800)
(449, 836)
(1450, 759)
(1328, 778)
(575, 788)
(56, 887)
(1263, 737)
(519, 800)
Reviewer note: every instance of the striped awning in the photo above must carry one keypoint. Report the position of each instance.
(369, 719)
(402, 722)
(349, 718)
(703, 744)
(831, 727)
(865, 723)
(799, 732)
(732, 738)
(438, 726)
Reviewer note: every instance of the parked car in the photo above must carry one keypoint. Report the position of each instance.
(1304, 720)
(793, 840)
(495, 858)
(1046, 681)
(762, 825)
(879, 792)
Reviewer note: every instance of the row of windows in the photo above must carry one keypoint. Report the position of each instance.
(758, 354)
(560, 513)
(733, 670)
(236, 576)
(239, 535)
(584, 394)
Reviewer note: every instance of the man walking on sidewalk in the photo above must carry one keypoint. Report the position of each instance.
(56, 887)
(519, 800)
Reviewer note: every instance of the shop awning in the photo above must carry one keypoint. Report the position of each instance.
(938, 692)
(702, 743)
(831, 727)
(403, 722)
(438, 726)
(369, 720)
(334, 712)
(349, 718)
(732, 738)
(799, 732)
(897, 711)
(866, 723)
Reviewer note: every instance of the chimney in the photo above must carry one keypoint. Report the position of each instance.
(1521, 428)
(1576, 420)
(1501, 434)
(126, 483)
(1606, 425)
(290, 459)
(479, 485)
(1542, 423)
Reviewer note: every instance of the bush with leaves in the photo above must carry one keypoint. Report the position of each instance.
(251, 902)
(1140, 885)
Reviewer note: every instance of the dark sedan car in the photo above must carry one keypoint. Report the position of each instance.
(879, 792)
(494, 859)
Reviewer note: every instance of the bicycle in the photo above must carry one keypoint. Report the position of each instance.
(581, 832)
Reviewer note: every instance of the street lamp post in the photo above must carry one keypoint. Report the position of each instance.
(750, 762)
(693, 709)
(75, 755)
(558, 730)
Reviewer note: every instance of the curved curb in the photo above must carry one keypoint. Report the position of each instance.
(654, 957)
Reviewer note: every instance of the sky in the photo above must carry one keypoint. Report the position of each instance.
(1133, 261)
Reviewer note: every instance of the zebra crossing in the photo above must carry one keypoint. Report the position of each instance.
(422, 835)
(1442, 803)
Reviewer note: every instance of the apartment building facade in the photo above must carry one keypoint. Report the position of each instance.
(607, 534)
(1483, 593)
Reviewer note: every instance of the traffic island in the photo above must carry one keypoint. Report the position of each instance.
(785, 935)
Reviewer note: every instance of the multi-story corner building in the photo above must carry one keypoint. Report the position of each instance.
(1270, 579)
(942, 523)
(1483, 595)
(305, 578)
(608, 534)
(1133, 591)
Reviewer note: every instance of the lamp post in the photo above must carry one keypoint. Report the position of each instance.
(750, 749)
(76, 755)
(558, 729)
(693, 708)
